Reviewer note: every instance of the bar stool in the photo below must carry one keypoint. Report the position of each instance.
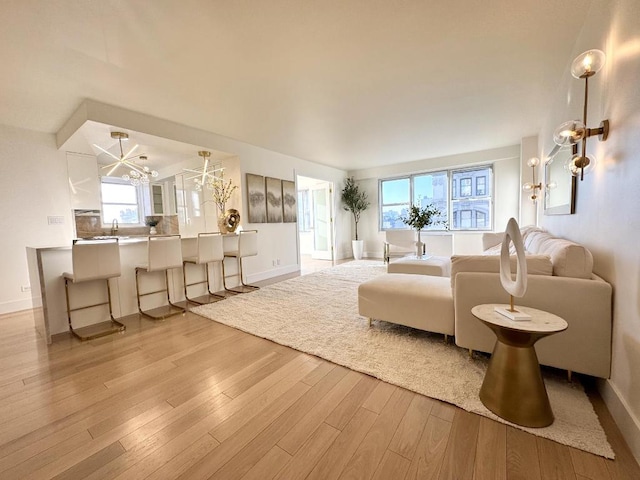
(247, 247)
(164, 253)
(93, 260)
(209, 250)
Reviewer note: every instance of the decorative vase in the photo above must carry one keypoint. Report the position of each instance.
(152, 231)
(229, 221)
(358, 247)
(419, 246)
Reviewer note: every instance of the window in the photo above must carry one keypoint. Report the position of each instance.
(120, 201)
(481, 219)
(304, 211)
(463, 207)
(465, 187)
(395, 200)
(481, 185)
(465, 219)
(477, 203)
(431, 189)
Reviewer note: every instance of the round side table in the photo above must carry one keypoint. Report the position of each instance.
(513, 387)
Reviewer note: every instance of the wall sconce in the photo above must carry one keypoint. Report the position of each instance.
(572, 132)
(533, 186)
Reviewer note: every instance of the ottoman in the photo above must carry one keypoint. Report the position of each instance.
(418, 301)
(427, 265)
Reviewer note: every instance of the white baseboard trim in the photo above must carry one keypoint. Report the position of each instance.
(276, 272)
(625, 419)
(16, 306)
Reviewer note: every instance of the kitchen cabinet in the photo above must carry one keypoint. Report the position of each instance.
(84, 182)
(153, 196)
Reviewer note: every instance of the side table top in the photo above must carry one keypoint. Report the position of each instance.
(541, 321)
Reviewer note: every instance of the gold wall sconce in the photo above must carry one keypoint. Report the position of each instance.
(573, 132)
(533, 187)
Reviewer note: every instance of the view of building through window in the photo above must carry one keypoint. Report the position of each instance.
(119, 202)
(468, 207)
(471, 209)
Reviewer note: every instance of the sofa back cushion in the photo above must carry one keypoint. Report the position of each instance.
(569, 259)
(536, 265)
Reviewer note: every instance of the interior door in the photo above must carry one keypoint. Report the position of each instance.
(322, 222)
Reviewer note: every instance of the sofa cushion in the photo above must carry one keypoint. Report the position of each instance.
(536, 265)
(569, 259)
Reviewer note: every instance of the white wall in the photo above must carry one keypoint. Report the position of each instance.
(607, 218)
(33, 186)
(506, 170)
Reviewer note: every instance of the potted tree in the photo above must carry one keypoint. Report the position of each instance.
(418, 219)
(355, 201)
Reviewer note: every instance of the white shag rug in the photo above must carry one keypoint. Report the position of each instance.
(318, 314)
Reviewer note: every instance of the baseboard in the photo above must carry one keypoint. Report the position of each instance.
(276, 272)
(16, 306)
(625, 419)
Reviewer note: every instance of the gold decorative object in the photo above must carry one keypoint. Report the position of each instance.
(229, 221)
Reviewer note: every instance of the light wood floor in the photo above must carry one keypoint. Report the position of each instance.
(190, 398)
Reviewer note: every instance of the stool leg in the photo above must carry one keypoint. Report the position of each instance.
(166, 282)
(254, 287)
(114, 324)
(213, 294)
(170, 309)
(240, 288)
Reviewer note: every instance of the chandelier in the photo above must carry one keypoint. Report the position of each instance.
(137, 174)
(205, 175)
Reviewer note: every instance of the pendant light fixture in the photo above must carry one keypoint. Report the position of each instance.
(137, 174)
(205, 175)
(574, 132)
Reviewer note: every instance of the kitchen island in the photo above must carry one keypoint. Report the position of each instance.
(47, 264)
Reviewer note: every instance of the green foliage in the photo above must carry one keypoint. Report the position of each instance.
(419, 218)
(354, 200)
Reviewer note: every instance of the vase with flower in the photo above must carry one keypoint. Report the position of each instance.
(221, 191)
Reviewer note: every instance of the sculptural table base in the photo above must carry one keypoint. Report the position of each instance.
(513, 387)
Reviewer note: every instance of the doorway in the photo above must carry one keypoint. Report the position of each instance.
(315, 224)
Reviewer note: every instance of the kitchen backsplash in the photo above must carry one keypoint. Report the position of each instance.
(88, 224)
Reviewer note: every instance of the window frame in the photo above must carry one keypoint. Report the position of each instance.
(139, 202)
(451, 183)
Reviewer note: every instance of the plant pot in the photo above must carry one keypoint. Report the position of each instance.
(419, 247)
(358, 247)
(153, 231)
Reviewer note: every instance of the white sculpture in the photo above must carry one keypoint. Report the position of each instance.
(517, 287)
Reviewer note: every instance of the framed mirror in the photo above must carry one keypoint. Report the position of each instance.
(559, 184)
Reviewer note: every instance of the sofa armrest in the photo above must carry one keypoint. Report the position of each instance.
(585, 346)
(491, 239)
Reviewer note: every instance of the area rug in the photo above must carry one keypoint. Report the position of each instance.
(318, 314)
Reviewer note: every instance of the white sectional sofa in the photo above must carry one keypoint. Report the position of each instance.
(560, 281)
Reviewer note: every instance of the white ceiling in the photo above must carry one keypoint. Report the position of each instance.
(348, 83)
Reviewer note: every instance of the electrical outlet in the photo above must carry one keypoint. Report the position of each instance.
(55, 220)
(25, 288)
